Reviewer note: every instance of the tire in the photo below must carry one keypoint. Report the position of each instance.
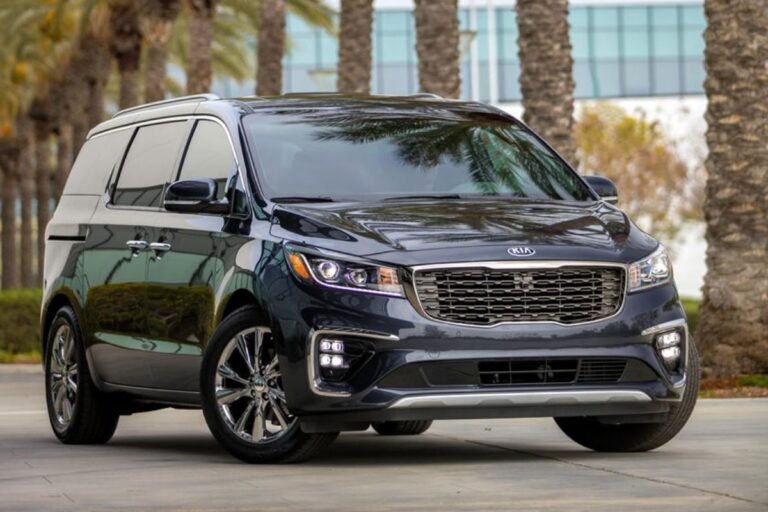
(402, 428)
(79, 413)
(638, 437)
(239, 402)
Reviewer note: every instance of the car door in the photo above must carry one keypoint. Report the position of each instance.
(117, 254)
(184, 267)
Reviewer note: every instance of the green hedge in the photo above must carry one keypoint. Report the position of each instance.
(691, 307)
(19, 321)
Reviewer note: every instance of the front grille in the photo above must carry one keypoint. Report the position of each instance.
(550, 371)
(484, 296)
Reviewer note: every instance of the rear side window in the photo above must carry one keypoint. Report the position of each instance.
(209, 155)
(95, 163)
(148, 164)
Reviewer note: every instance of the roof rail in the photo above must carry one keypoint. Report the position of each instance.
(162, 103)
(426, 95)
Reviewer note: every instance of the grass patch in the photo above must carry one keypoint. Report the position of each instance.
(754, 381)
(21, 358)
(691, 307)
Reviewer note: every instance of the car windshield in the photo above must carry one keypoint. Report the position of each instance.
(344, 155)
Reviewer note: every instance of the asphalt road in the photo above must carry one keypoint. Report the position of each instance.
(167, 460)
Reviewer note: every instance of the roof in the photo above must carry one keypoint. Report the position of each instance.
(204, 103)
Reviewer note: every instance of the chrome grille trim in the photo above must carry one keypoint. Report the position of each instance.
(490, 305)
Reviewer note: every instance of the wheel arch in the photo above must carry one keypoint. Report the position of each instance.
(236, 300)
(58, 300)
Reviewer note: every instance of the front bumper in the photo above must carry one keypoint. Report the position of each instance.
(400, 339)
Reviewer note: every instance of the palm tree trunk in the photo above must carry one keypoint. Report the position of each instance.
(126, 48)
(271, 45)
(546, 72)
(9, 153)
(156, 21)
(97, 61)
(64, 140)
(437, 46)
(154, 75)
(27, 186)
(199, 72)
(355, 46)
(734, 313)
(42, 186)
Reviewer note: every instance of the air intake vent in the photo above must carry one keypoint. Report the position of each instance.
(550, 371)
(601, 370)
(484, 296)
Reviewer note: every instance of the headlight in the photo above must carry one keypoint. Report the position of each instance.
(650, 271)
(345, 275)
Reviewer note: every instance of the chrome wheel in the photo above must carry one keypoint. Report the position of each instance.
(249, 388)
(63, 376)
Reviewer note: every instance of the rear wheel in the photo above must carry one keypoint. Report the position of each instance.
(243, 399)
(637, 437)
(79, 413)
(402, 428)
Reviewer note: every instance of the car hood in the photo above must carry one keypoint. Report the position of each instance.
(441, 231)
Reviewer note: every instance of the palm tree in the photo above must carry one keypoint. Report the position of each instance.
(355, 46)
(126, 48)
(546, 71)
(437, 46)
(734, 313)
(40, 113)
(26, 171)
(155, 22)
(201, 14)
(9, 154)
(271, 45)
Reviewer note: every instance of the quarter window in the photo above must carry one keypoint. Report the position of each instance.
(209, 155)
(149, 164)
(95, 163)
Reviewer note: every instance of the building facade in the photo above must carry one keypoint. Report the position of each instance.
(621, 49)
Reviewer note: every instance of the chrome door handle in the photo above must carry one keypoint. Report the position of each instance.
(160, 246)
(137, 245)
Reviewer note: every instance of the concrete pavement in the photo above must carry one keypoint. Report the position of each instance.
(167, 460)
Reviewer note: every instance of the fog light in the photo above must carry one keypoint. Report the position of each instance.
(671, 357)
(338, 358)
(332, 346)
(668, 339)
(668, 346)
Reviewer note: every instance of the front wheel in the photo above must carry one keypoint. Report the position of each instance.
(243, 399)
(637, 437)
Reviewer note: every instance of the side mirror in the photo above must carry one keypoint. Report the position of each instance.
(194, 196)
(604, 188)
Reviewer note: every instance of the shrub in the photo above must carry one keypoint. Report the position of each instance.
(691, 307)
(20, 320)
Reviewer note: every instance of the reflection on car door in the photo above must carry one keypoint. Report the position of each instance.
(117, 254)
(184, 267)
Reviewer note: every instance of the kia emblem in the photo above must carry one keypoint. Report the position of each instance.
(521, 251)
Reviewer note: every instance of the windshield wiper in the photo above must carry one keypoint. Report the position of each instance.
(302, 199)
(423, 196)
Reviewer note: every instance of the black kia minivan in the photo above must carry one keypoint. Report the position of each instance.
(308, 264)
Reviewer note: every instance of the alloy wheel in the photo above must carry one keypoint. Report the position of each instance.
(63, 376)
(249, 388)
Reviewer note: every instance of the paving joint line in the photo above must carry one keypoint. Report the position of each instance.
(611, 471)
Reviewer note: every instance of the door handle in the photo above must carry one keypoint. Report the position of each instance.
(137, 246)
(160, 246)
